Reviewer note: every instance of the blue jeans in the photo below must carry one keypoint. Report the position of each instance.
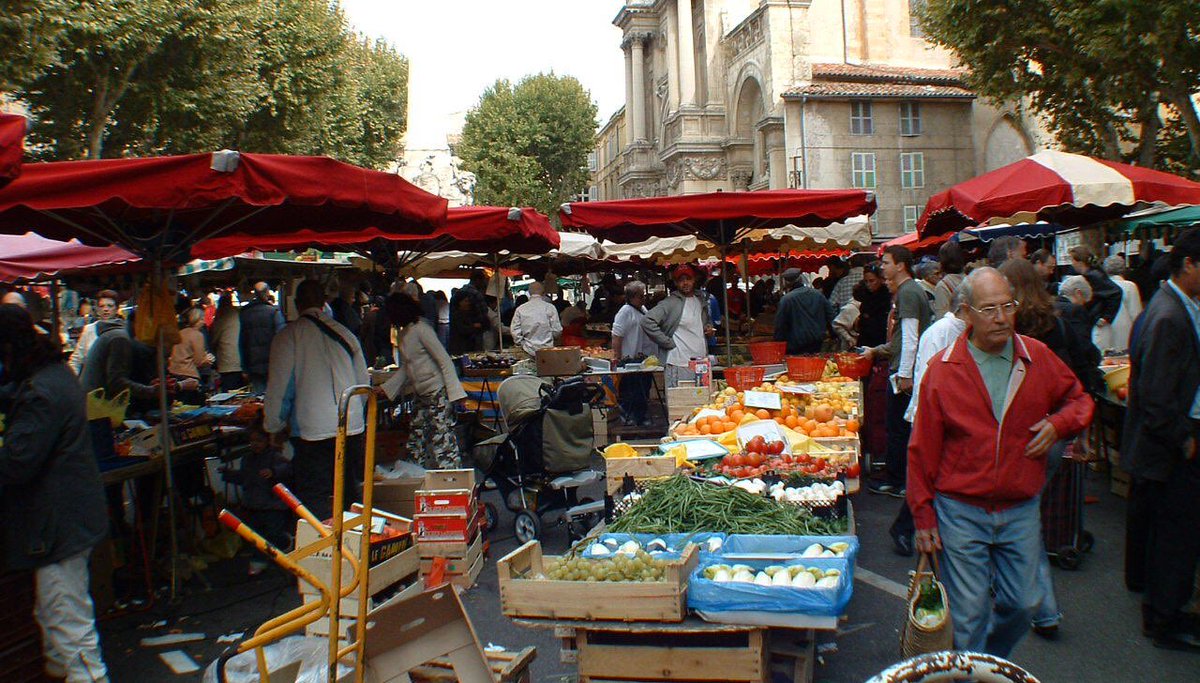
(984, 551)
(1048, 613)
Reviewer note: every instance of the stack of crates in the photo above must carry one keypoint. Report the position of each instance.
(393, 562)
(448, 523)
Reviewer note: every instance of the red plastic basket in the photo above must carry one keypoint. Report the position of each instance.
(744, 377)
(767, 353)
(806, 368)
(853, 365)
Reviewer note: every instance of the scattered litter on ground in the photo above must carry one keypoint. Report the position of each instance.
(230, 637)
(171, 639)
(827, 648)
(179, 661)
(154, 624)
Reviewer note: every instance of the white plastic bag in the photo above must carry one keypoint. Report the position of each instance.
(312, 653)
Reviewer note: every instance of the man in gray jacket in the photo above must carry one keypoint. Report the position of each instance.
(680, 324)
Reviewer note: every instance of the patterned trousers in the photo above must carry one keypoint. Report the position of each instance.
(432, 438)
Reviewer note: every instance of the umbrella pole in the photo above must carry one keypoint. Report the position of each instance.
(746, 279)
(55, 313)
(499, 299)
(725, 304)
(164, 437)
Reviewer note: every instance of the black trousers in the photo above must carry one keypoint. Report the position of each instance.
(231, 381)
(898, 431)
(312, 473)
(1165, 517)
(634, 394)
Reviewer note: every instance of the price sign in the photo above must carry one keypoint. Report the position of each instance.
(768, 400)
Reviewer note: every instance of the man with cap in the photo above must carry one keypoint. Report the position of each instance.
(679, 325)
(804, 317)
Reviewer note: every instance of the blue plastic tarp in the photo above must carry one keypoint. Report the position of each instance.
(731, 596)
(675, 542)
(746, 544)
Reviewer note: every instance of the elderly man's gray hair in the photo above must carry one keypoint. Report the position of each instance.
(1115, 265)
(966, 290)
(537, 289)
(1075, 283)
(634, 288)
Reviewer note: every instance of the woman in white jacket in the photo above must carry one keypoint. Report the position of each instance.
(1115, 337)
(426, 374)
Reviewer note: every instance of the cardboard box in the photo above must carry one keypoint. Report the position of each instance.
(456, 564)
(398, 496)
(382, 548)
(406, 633)
(457, 526)
(449, 480)
(445, 502)
(559, 361)
(681, 401)
(428, 549)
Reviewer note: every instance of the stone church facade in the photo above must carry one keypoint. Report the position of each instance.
(756, 94)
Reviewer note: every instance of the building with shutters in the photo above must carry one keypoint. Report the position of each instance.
(757, 94)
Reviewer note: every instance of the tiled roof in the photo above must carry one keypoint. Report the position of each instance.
(868, 90)
(853, 80)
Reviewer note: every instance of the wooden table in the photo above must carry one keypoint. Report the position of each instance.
(691, 650)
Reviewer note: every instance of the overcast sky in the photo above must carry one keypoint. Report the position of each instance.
(471, 43)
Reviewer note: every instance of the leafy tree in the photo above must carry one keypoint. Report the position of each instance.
(139, 77)
(1113, 78)
(31, 32)
(528, 143)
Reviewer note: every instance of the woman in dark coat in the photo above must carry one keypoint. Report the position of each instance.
(874, 305)
(53, 501)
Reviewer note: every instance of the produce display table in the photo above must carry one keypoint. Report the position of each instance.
(228, 444)
(692, 650)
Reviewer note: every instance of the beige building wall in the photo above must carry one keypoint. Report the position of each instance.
(744, 127)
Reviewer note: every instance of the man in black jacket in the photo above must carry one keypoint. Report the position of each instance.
(260, 321)
(109, 363)
(1159, 451)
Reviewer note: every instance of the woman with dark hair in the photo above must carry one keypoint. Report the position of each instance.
(1037, 317)
(950, 257)
(874, 305)
(52, 498)
(426, 374)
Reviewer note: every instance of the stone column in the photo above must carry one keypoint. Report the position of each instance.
(687, 53)
(638, 115)
(629, 101)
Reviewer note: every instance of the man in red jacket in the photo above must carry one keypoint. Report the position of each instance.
(990, 408)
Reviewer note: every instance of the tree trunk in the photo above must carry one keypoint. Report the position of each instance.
(97, 120)
(1151, 124)
(1183, 104)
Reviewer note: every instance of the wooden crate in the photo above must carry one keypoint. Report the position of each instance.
(681, 401)
(429, 549)
(320, 627)
(675, 655)
(457, 564)
(640, 467)
(522, 596)
(507, 667)
(381, 577)
(793, 654)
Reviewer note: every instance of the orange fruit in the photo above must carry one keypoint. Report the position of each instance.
(823, 413)
(728, 427)
(762, 414)
(791, 421)
(736, 415)
(852, 426)
(706, 428)
(810, 425)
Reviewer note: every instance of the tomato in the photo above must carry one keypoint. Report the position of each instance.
(756, 459)
(803, 458)
(854, 470)
(775, 447)
(787, 458)
(756, 444)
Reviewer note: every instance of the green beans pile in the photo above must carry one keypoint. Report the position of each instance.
(682, 505)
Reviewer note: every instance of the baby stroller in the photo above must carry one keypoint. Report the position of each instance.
(541, 458)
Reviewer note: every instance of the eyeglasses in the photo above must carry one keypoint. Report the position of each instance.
(991, 311)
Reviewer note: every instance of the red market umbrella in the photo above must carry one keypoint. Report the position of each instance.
(163, 206)
(12, 146)
(808, 261)
(1056, 187)
(484, 229)
(31, 257)
(160, 207)
(915, 243)
(719, 217)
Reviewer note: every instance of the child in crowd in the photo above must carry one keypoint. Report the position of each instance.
(262, 468)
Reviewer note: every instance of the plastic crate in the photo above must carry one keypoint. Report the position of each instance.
(744, 377)
(853, 365)
(805, 368)
(767, 353)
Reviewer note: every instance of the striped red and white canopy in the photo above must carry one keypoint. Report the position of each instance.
(1058, 187)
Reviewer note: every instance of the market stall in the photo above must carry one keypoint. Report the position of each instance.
(721, 218)
(727, 545)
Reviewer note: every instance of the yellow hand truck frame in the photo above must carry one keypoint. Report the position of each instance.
(332, 543)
